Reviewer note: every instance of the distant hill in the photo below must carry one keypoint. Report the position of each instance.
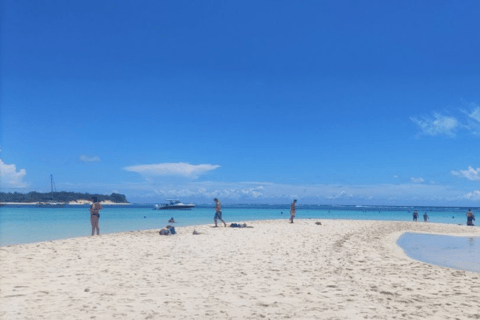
(62, 196)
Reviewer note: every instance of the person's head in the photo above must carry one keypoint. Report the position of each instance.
(216, 200)
(469, 209)
(94, 199)
(295, 200)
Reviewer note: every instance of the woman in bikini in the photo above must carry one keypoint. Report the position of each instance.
(470, 218)
(95, 215)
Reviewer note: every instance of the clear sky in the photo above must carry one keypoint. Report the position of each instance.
(329, 102)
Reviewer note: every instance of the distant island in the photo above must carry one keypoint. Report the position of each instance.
(63, 196)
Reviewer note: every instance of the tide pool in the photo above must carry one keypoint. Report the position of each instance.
(461, 253)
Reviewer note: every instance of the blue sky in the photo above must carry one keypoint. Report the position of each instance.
(329, 102)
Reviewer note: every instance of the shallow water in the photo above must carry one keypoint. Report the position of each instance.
(31, 224)
(461, 253)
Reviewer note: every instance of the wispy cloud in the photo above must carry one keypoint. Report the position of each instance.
(277, 193)
(475, 114)
(473, 120)
(417, 180)
(85, 158)
(470, 173)
(438, 125)
(340, 195)
(172, 169)
(10, 177)
(475, 195)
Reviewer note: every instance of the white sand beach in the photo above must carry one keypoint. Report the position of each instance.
(338, 270)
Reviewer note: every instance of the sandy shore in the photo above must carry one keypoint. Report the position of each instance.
(339, 270)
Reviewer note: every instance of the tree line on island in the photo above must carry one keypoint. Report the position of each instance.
(62, 196)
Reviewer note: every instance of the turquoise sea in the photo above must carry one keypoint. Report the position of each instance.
(31, 224)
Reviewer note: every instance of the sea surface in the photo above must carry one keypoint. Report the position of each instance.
(27, 224)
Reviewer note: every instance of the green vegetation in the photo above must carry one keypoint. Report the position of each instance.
(62, 196)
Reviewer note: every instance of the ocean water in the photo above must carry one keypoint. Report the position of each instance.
(31, 224)
(462, 253)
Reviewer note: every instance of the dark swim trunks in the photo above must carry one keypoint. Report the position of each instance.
(218, 215)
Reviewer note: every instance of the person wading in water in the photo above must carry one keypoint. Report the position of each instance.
(95, 215)
(293, 210)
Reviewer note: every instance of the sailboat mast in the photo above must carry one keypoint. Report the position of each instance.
(51, 186)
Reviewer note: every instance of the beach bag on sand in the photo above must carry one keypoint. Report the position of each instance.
(164, 232)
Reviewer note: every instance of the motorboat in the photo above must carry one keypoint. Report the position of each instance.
(174, 204)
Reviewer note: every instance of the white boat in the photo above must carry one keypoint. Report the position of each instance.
(174, 204)
(50, 203)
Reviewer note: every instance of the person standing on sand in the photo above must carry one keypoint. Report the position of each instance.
(470, 218)
(218, 212)
(293, 210)
(95, 215)
(425, 217)
(415, 215)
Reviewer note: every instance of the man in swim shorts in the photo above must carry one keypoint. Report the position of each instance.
(218, 212)
(415, 215)
(293, 210)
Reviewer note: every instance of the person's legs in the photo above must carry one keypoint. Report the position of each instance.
(92, 221)
(222, 221)
(97, 226)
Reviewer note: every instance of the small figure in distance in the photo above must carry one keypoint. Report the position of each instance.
(95, 215)
(470, 218)
(171, 220)
(218, 212)
(293, 210)
(415, 215)
(195, 232)
(425, 217)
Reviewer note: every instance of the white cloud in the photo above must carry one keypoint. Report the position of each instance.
(417, 180)
(172, 169)
(395, 176)
(437, 125)
(85, 158)
(475, 195)
(10, 177)
(470, 173)
(475, 114)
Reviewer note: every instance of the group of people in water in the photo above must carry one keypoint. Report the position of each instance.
(469, 214)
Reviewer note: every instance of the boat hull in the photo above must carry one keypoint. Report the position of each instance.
(185, 207)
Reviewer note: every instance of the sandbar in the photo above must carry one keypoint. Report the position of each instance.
(342, 269)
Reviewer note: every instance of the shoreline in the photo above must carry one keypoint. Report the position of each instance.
(342, 269)
(263, 220)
